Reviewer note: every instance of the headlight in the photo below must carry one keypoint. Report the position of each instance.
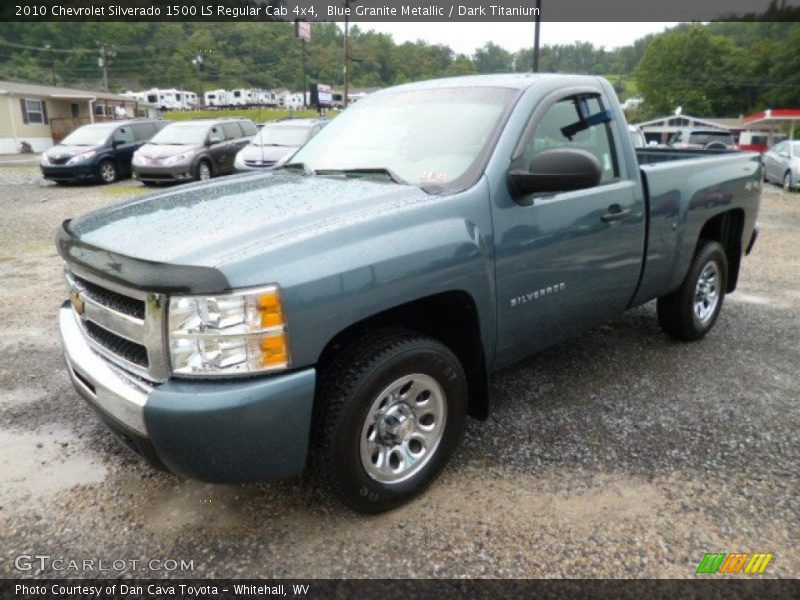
(171, 160)
(79, 158)
(137, 159)
(226, 335)
(44, 160)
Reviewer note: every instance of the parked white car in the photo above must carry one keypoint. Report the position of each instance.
(276, 142)
(782, 164)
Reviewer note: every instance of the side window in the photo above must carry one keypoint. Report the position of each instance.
(143, 131)
(782, 147)
(248, 128)
(596, 139)
(124, 135)
(232, 131)
(215, 134)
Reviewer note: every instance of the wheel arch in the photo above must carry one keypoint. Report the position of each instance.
(449, 317)
(726, 228)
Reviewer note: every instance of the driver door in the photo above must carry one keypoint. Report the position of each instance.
(567, 260)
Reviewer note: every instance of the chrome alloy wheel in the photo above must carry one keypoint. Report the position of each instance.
(203, 172)
(706, 294)
(403, 428)
(108, 172)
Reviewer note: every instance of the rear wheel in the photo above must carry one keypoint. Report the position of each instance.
(391, 413)
(691, 311)
(108, 172)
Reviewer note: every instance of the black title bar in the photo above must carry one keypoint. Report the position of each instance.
(398, 10)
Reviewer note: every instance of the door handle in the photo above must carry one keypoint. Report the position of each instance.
(615, 213)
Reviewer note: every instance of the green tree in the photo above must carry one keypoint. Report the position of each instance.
(693, 69)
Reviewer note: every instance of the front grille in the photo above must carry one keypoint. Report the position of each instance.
(123, 304)
(145, 175)
(59, 161)
(125, 349)
(260, 163)
(123, 324)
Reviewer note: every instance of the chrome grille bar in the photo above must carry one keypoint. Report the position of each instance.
(99, 304)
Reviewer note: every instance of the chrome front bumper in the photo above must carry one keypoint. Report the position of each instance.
(107, 387)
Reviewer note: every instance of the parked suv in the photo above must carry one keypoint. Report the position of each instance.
(277, 141)
(189, 150)
(98, 152)
(703, 139)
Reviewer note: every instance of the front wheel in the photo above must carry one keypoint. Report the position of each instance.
(108, 172)
(787, 181)
(691, 311)
(391, 413)
(203, 171)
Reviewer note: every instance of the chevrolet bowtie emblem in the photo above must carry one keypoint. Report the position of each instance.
(78, 304)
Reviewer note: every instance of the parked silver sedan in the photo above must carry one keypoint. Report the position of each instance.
(277, 141)
(782, 164)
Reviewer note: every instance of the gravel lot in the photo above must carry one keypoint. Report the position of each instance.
(618, 454)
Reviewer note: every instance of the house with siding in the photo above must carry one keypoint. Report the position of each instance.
(42, 115)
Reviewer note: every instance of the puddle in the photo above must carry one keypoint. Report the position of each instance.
(36, 465)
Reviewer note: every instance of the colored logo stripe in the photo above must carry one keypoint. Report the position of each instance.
(721, 562)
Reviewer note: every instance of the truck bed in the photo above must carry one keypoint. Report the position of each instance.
(684, 190)
(649, 156)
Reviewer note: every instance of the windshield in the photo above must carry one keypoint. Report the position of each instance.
(181, 134)
(429, 137)
(89, 135)
(282, 135)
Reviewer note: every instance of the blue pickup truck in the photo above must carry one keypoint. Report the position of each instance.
(345, 312)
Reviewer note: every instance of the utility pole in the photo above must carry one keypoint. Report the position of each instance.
(305, 77)
(346, 53)
(197, 61)
(536, 36)
(105, 55)
(52, 61)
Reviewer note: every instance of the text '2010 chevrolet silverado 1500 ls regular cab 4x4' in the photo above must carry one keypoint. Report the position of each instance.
(346, 310)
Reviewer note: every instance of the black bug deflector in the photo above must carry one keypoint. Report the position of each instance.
(141, 274)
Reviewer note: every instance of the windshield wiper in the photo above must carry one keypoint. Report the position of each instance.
(367, 171)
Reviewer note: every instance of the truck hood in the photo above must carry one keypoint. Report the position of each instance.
(213, 223)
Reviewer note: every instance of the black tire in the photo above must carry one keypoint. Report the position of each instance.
(677, 314)
(787, 181)
(199, 170)
(349, 391)
(107, 171)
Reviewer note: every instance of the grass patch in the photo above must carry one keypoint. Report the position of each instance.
(257, 115)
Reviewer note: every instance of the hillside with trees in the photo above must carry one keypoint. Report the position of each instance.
(719, 69)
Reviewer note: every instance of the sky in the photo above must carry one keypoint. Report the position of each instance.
(465, 37)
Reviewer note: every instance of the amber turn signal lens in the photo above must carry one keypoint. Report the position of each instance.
(269, 305)
(273, 351)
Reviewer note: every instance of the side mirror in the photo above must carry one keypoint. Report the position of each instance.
(115, 143)
(557, 170)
